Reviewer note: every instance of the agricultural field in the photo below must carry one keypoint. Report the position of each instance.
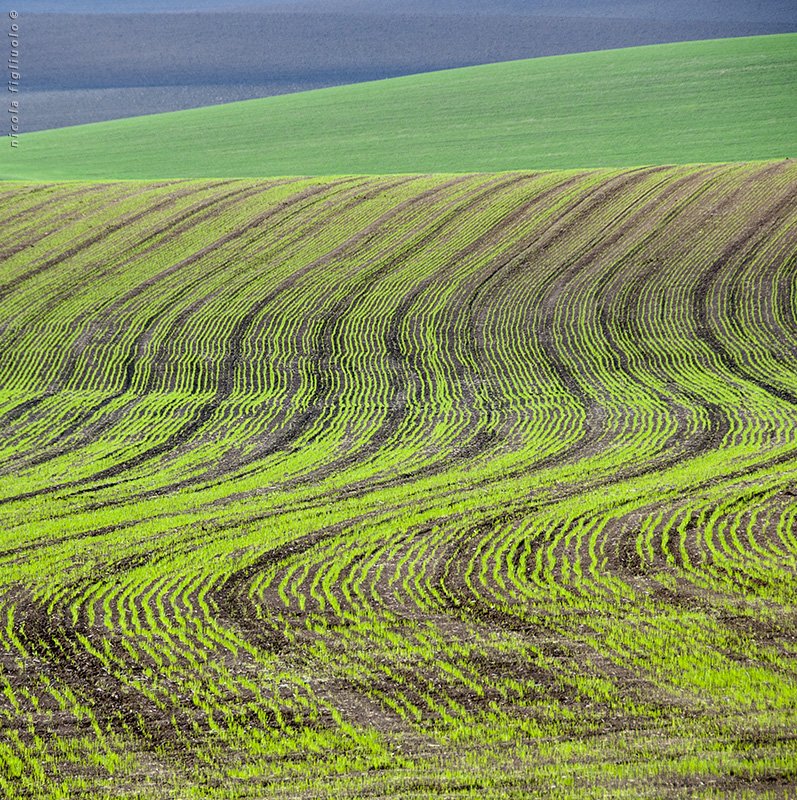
(690, 102)
(262, 51)
(474, 486)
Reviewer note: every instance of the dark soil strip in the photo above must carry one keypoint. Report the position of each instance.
(396, 415)
(55, 448)
(208, 409)
(50, 638)
(748, 243)
(89, 241)
(8, 343)
(234, 346)
(56, 198)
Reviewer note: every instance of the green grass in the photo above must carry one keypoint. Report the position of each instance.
(709, 101)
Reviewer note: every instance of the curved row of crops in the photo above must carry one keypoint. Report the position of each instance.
(473, 485)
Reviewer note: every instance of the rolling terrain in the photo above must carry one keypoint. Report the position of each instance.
(689, 102)
(453, 485)
(96, 60)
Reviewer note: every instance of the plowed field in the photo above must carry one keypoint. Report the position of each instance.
(411, 486)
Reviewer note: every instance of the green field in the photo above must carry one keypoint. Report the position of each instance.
(708, 101)
(399, 486)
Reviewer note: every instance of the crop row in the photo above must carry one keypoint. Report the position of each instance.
(476, 484)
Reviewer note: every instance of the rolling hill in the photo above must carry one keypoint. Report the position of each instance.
(713, 101)
(130, 64)
(352, 449)
(400, 486)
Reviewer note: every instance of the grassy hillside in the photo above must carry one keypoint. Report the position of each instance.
(720, 100)
(129, 64)
(421, 486)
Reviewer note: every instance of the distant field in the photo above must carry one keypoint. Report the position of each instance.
(122, 50)
(451, 486)
(720, 100)
(129, 64)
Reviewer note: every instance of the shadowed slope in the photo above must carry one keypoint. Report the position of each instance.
(130, 64)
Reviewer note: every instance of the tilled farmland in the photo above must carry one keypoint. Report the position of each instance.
(403, 486)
